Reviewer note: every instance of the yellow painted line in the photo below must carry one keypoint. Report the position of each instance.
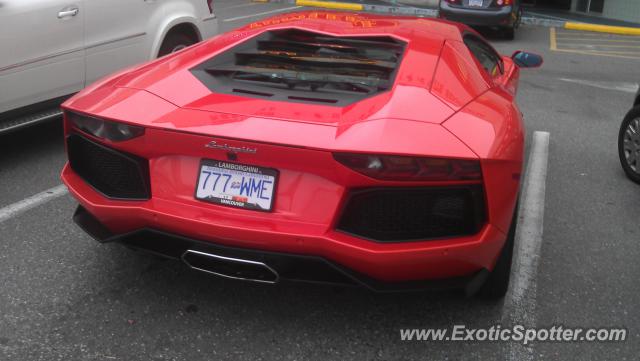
(589, 46)
(606, 40)
(597, 54)
(597, 37)
(604, 52)
(602, 28)
(583, 33)
(553, 43)
(330, 5)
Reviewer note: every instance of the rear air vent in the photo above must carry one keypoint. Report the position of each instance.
(302, 66)
(251, 92)
(113, 173)
(414, 214)
(319, 100)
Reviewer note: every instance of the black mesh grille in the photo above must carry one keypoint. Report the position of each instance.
(401, 214)
(112, 173)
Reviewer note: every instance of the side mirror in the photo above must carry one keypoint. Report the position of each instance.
(524, 59)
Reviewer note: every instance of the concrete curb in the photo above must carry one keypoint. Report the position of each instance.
(330, 5)
(408, 10)
(527, 20)
(622, 30)
(400, 10)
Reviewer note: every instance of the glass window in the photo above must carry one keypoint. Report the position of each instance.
(487, 57)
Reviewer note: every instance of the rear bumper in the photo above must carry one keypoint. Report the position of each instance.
(288, 266)
(482, 17)
(377, 265)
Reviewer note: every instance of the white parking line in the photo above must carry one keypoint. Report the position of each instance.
(608, 85)
(260, 14)
(520, 302)
(24, 205)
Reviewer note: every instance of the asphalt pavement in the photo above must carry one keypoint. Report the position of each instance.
(65, 297)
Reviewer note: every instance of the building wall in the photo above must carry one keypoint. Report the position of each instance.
(628, 10)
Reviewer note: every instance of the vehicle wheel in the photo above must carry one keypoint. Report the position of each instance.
(509, 33)
(629, 144)
(175, 42)
(497, 283)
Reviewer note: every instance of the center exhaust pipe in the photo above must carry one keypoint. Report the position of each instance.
(238, 269)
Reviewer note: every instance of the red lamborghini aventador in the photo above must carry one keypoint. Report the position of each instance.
(316, 146)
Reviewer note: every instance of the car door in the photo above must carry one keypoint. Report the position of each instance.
(42, 54)
(116, 35)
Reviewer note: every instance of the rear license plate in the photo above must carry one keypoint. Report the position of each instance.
(476, 3)
(236, 185)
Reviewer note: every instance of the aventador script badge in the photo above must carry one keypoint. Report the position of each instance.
(229, 148)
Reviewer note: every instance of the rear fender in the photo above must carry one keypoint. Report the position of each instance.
(491, 126)
(511, 77)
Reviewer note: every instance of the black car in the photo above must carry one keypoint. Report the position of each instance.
(629, 141)
(502, 14)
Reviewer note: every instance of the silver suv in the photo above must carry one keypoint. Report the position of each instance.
(51, 49)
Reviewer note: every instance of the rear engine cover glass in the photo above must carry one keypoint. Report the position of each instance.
(305, 67)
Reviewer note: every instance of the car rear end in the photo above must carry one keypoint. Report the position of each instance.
(502, 13)
(328, 221)
(295, 183)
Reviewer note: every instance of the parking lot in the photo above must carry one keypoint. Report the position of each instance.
(66, 297)
(598, 44)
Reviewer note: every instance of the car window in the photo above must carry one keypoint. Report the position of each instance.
(487, 57)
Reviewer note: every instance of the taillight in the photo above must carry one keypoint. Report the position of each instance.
(457, 2)
(210, 5)
(401, 168)
(104, 129)
(504, 2)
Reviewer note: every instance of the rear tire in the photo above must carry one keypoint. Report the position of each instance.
(629, 123)
(497, 284)
(175, 42)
